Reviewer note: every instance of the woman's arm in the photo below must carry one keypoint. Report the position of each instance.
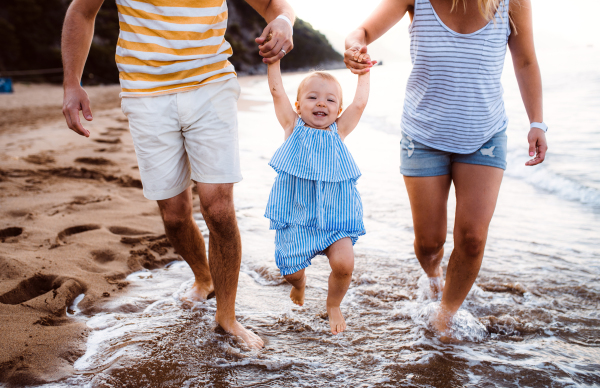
(349, 119)
(385, 16)
(528, 75)
(283, 108)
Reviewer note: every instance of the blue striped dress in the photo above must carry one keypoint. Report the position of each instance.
(453, 97)
(314, 201)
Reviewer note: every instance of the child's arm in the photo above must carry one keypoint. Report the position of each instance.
(349, 119)
(283, 108)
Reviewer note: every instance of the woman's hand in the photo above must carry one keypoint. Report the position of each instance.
(537, 146)
(357, 59)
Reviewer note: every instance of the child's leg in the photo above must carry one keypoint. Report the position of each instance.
(298, 282)
(341, 260)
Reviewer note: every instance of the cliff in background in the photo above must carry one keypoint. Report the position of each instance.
(30, 40)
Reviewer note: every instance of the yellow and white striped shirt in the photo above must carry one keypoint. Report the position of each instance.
(170, 46)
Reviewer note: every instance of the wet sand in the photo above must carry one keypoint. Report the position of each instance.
(73, 221)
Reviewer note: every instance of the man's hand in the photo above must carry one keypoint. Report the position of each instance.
(537, 146)
(279, 44)
(75, 100)
(357, 59)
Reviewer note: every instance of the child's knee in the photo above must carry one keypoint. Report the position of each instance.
(343, 268)
(294, 277)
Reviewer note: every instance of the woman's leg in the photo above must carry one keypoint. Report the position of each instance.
(477, 190)
(298, 282)
(341, 260)
(428, 202)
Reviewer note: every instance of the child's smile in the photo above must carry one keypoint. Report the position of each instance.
(319, 103)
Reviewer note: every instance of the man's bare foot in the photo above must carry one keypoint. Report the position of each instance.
(198, 292)
(297, 293)
(336, 319)
(236, 329)
(436, 283)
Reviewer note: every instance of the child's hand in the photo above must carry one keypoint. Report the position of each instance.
(357, 59)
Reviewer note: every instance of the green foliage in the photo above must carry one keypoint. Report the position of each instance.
(30, 39)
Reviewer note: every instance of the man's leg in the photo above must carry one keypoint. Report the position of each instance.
(477, 189)
(428, 202)
(225, 256)
(184, 235)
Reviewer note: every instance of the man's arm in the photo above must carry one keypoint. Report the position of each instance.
(78, 31)
(282, 32)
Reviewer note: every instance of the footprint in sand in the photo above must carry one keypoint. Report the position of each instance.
(103, 256)
(10, 232)
(61, 237)
(41, 158)
(49, 293)
(125, 231)
(115, 140)
(95, 161)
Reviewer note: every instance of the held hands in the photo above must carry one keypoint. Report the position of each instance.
(275, 41)
(76, 99)
(357, 59)
(537, 146)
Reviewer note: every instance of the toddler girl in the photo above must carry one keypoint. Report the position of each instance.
(314, 205)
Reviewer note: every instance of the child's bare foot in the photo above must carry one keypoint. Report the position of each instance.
(198, 292)
(436, 283)
(336, 319)
(297, 292)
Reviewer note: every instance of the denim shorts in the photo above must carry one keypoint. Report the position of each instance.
(417, 159)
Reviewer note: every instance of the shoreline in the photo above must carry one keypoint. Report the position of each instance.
(74, 221)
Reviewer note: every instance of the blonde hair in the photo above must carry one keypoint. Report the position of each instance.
(487, 8)
(323, 75)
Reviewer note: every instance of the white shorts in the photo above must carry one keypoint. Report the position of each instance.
(185, 136)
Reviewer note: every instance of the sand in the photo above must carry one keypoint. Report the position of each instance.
(73, 221)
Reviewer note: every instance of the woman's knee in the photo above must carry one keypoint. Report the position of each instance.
(471, 243)
(429, 247)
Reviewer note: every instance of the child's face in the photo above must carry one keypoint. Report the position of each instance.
(319, 103)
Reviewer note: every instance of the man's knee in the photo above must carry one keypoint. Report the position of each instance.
(175, 211)
(218, 211)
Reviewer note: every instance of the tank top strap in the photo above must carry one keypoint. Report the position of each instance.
(333, 127)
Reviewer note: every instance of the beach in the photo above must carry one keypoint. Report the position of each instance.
(89, 290)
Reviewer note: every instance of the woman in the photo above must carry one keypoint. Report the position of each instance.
(454, 123)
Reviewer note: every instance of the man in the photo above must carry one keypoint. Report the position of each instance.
(180, 95)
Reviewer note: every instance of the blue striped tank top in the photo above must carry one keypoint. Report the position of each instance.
(453, 97)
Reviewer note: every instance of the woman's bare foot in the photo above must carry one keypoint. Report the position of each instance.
(198, 292)
(236, 329)
(436, 283)
(336, 319)
(442, 324)
(297, 292)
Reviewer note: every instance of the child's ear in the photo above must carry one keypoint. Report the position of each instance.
(340, 111)
(297, 105)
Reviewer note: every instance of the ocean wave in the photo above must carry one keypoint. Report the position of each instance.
(541, 177)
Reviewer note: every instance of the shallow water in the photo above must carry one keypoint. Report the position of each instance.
(532, 319)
